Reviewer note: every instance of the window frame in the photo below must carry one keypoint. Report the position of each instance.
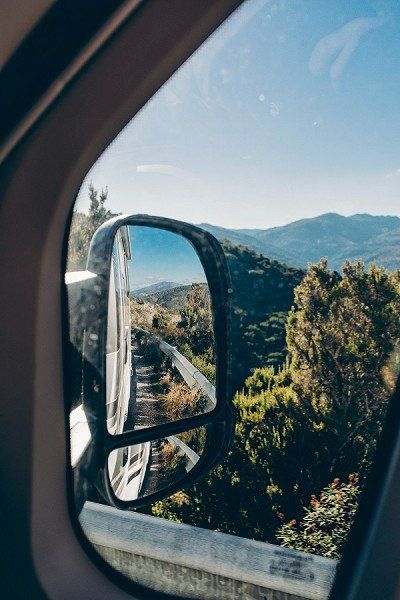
(40, 179)
(45, 161)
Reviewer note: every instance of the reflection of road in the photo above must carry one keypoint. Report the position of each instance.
(145, 407)
(154, 471)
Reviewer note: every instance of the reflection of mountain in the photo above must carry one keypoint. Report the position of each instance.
(153, 289)
(364, 237)
(159, 255)
(160, 258)
(172, 299)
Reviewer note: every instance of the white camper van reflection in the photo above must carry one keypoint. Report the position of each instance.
(127, 467)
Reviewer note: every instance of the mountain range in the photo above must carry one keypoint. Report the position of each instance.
(358, 237)
(163, 261)
(153, 289)
(172, 297)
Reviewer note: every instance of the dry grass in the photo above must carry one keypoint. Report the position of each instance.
(180, 401)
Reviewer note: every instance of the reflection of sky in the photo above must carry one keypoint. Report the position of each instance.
(290, 110)
(159, 255)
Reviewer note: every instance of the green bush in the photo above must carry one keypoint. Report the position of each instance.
(327, 521)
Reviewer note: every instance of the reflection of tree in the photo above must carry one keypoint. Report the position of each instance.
(152, 353)
(188, 327)
(191, 331)
(172, 462)
(195, 439)
(196, 320)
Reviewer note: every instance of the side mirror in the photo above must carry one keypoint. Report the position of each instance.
(149, 325)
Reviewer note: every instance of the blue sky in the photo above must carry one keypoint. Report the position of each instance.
(291, 109)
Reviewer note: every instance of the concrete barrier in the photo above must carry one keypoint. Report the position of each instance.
(191, 562)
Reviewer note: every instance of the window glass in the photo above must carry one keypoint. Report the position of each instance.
(281, 136)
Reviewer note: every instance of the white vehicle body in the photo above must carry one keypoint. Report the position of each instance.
(127, 466)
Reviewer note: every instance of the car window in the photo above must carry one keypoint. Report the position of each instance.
(280, 136)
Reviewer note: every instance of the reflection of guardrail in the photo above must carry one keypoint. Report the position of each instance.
(194, 379)
(190, 454)
(192, 562)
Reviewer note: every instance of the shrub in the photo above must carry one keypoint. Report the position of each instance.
(327, 521)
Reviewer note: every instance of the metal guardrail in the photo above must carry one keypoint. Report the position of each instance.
(196, 381)
(191, 456)
(191, 562)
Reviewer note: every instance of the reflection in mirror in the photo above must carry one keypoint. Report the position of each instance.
(160, 362)
(137, 471)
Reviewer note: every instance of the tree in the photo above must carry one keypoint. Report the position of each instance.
(317, 417)
(341, 337)
(161, 320)
(98, 213)
(327, 521)
(196, 319)
(263, 293)
(84, 226)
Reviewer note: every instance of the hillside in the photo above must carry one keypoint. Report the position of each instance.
(172, 299)
(155, 288)
(364, 237)
(263, 293)
(249, 238)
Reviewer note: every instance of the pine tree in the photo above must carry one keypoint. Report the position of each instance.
(84, 226)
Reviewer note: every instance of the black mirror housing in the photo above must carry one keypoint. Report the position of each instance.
(91, 318)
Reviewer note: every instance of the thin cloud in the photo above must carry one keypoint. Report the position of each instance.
(337, 48)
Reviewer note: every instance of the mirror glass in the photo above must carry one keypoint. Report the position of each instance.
(137, 471)
(160, 358)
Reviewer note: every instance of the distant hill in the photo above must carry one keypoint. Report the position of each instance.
(248, 237)
(170, 261)
(173, 299)
(155, 288)
(364, 237)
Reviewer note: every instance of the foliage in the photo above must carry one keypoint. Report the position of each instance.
(316, 417)
(180, 401)
(172, 298)
(341, 337)
(263, 293)
(84, 226)
(190, 330)
(205, 362)
(196, 319)
(327, 521)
